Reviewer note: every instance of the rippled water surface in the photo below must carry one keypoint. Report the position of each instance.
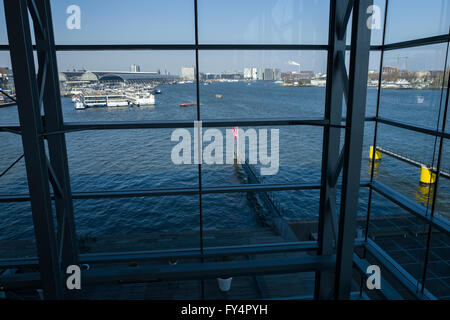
(141, 159)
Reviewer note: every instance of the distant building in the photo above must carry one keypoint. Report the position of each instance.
(209, 76)
(390, 69)
(319, 82)
(276, 74)
(135, 68)
(232, 75)
(422, 74)
(436, 73)
(188, 73)
(248, 73)
(260, 74)
(81, 76)
(268, 74)
(305, 75)
(254, 73)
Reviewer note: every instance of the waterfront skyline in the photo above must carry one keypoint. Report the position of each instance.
(281, 21)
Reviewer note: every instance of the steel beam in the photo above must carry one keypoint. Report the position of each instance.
(192, 271)
(54, 122)
(331, 143)
(356, 109)
(27, 95)
(209, 252)
(163, 192)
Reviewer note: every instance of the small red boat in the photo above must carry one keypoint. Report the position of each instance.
(187, 104)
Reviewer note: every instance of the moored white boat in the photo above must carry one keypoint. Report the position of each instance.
(117, 101)
(79, 105)
(143, 99)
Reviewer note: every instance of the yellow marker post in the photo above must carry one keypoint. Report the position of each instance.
(377, 154)
(427, 176)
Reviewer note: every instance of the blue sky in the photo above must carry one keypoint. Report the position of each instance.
(231, 21)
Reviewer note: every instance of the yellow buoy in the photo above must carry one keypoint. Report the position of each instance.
(427, 176)
(377, 154)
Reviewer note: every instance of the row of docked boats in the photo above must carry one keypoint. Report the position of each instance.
(113, 98)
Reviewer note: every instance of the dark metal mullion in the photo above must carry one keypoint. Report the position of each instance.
(375, 133)
(438, 167)
(356, 107)
(19, 36)
(372, 165)
(200, 156)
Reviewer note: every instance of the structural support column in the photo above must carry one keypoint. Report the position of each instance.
(356, 109)
(67, 241)
(339, 13)
(28, 105)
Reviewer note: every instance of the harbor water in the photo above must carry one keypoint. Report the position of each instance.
(141, 159)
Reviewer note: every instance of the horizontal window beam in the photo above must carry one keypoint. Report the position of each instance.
(410, 206)
(10, 128)
(161, 192)
(267, 46)
(416, 42)
(412, 127)
(108, 47)
(192, 271)
(181, 47)
(112, 257)
(172, 124)
(77, 126)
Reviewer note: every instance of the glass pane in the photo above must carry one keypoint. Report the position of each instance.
(372, 83)
(136, 224)
(114, 22)
(442, 207)
(262, 84)
(16, 224)
(3, 32)
(16, 231)
(376, 34)
(126, 160)
(402, 154)
(438, 269)
(267, 21)
(284, 154)
(414, 19)
(412, 83)
(126, 85)
(401, 235)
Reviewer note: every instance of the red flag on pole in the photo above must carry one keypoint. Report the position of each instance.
(235, 132)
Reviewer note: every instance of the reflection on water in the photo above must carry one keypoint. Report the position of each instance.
(376, 166)
(424, 194)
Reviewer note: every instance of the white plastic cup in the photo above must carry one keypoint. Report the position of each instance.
(224, 284)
